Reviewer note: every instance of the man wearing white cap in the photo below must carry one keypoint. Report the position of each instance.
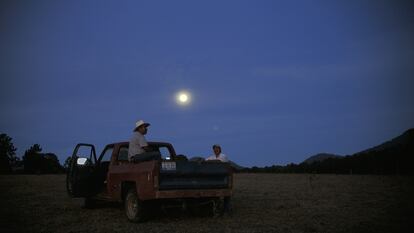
(138, 144)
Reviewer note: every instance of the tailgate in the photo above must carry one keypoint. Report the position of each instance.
(194, 175)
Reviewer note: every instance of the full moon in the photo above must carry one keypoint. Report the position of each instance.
(183, 98)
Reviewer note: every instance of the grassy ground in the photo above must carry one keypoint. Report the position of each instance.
(261, 202)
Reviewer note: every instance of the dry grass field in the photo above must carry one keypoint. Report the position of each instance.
(261, 202)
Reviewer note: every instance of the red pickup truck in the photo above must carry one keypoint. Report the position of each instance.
(165, 178)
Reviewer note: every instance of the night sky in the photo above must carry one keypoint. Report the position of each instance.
(273, 82)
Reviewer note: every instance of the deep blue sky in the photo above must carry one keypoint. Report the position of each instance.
(273, 82)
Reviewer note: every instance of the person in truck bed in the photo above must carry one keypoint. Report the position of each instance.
(217, 154)
(138, 144)
(223, 158)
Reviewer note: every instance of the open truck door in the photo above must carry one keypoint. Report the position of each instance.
(81, 176)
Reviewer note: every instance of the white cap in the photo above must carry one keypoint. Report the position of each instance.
(141, 122)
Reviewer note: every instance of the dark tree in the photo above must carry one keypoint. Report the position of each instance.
(36, 162)
(32, 159)
(7, 153)
(50, 164)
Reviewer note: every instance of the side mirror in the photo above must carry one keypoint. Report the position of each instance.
(81, 161)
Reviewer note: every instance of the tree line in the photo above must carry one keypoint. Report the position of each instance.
(395, 159)
(32, 162)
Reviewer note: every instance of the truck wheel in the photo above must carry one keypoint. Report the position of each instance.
(134, 208)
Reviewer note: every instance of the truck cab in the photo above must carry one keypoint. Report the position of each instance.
(112, 177)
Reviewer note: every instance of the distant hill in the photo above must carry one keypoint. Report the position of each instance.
(395, 156)
(236, 166)
(320, 157)
(404, 140)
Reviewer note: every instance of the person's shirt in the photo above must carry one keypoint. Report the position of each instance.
(222, 157)
(136, 144)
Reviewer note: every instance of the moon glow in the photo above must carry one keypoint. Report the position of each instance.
(183, 98)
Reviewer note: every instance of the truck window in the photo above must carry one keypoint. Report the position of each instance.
(86, 152)
(165, 153)
(123, 154)
(106, 157)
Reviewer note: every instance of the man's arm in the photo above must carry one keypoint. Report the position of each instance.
(224, 158)
(211, 158)
(144, 144)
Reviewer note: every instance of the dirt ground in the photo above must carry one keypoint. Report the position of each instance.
(261, 202)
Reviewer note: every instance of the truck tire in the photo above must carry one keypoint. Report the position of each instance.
(134, 208)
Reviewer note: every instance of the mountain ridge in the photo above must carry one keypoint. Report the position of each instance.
(406, 139)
